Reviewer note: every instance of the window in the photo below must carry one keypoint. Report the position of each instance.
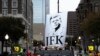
(14, 11)
(4, 3)
(4, 12)
(14, 3)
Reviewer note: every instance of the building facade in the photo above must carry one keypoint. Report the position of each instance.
(85, 8)
(41, 9)
(72, 24)
(38, 31)
(19, 9)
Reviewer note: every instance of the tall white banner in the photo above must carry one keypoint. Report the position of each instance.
(55, 31)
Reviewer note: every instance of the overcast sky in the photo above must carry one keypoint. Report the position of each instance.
(65, 5)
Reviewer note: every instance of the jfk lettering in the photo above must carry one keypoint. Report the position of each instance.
(54, 40)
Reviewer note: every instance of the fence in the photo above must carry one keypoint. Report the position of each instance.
(54, 53)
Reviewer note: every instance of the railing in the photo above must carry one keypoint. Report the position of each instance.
(54, 53)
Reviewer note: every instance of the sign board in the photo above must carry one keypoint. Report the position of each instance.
(90, 48)
(55, 31)
(16, 48)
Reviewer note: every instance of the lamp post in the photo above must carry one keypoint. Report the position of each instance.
(79, 38)
(6, 38)
(81, 46)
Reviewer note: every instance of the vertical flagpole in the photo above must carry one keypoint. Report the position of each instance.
(58, 6)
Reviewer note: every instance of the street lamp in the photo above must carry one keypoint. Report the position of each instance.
(79, 38)
(92, 40)
(81, 46)
(75, 41)
(6, 38)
